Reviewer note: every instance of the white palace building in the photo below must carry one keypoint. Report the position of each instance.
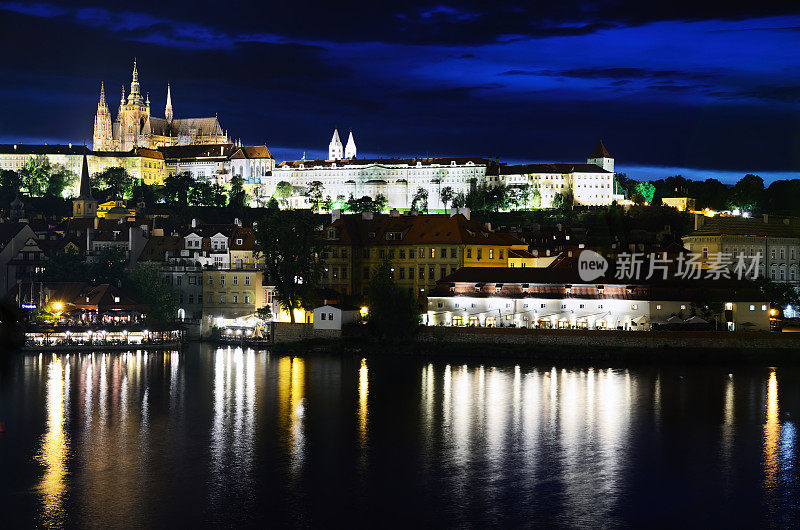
(344, 175)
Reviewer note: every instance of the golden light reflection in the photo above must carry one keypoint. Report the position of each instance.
(771, 434)
(54, 449)
(291, 394)
(363, 394)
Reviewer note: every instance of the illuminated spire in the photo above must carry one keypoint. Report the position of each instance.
(350, 149)
(135, 96)
(168, 110)
(102, 94)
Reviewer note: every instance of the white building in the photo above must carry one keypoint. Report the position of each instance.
(334, 316)
(557, 298)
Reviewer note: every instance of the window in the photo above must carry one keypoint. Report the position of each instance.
(191, 298)
(491, 253)
(763, 307)
(469, 253)
(480, 253)
(235, 280)
(501, 253)
(433, 253)
(402, 272)
(222, 299)
(431, 273)
(247, 280)
(658, 307)
(442, 272)
(705, 253)
(180, 298)
(222, 280)
(366, 273)
(402, 253)
(344, 273)
(210, 280)
(634, 306)
(412, 253)
(752, 307)
(382, 253)
(443, 253)
(411, 273)
(235, 298)
(322, 316)
(199, 298)
(683, 307)
(330, 316)
(421, 273)
(453, 252)
(178, 280)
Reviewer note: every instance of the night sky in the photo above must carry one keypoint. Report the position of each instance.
(679, 85)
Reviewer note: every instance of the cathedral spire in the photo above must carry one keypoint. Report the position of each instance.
(102, 94)
(335, 148)
(85, 190)
(122, 100)
(168, 110)
(350, 149)
(135, 96)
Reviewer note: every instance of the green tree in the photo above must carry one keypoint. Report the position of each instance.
(60, 180)
(747, 194)
(394, 312)
(283, 191)
(149, 285)
(147, 193)
(116, 182)
(292, 250)
(645, 190)
(35, 175)
(365, 204)
(447, 195)
(419, 203)
(314, 194)
(779, 294)
(10, 183)
(238, 197)
(177, 189)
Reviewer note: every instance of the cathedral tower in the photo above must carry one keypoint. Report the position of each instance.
(103, 138)
(168, 110)
(350, 149)
(335, 148)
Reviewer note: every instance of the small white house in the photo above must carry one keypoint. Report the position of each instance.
(335, 316)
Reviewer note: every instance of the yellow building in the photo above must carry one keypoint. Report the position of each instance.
(682, 204)
(421, 248)
(232, 297)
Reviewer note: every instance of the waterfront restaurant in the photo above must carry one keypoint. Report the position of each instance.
(550, 298)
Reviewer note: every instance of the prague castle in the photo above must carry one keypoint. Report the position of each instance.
(136, 127)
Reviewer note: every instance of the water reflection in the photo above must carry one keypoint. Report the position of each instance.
(291, 406)
(54, 449)
(771, 433)
(363, 395)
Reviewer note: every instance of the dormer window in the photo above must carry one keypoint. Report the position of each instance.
(238, 241)
(372, 235)
(332, 234)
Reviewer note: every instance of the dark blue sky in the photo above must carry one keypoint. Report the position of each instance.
(681, 86)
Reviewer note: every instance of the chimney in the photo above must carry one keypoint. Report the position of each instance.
(699, 220)
(237, 222)
(336, 215)
(367, 216)
(96, 223)
(766, 218)
(194, 223)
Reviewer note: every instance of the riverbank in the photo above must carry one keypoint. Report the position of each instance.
(571, 345)
(69, 348)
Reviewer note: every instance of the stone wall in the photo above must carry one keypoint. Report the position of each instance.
(288, 332)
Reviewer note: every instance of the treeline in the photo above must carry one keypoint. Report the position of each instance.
(748, 194)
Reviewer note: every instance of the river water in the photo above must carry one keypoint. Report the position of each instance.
(222, 436)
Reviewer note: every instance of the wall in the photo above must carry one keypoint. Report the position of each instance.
(288, 332)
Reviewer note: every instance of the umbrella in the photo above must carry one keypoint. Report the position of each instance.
(675, 320)
(696, 320)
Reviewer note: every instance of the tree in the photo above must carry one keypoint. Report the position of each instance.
(393, 312)
(780, 294)
(314, 194)
(292, 250)
(64, 266)
(10, 183)
(283, 191)
(447, 195)
(747, 194)
(147, 193)
(644, 190)
(60, 180)
(110, 266)
(420, 201)
(177, 188)
(201, 193)
(149, 285)
(238, 197)
(116, 182)
(365, 204)
(35, 175)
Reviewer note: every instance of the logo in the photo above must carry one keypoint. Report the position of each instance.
(591, 265)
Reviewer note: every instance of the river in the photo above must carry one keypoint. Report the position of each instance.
(221, 436)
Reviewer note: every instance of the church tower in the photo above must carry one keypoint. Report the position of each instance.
(335, 148)
(84, 205)
(601, 157)
(350, 149)
(133, 114)
(168, 110)
(103, 139)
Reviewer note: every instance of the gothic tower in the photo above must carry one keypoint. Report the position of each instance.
(168, 110)
(84, 205)
(103, 138)
(133, 114)
(335, 148)
(350, 149)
